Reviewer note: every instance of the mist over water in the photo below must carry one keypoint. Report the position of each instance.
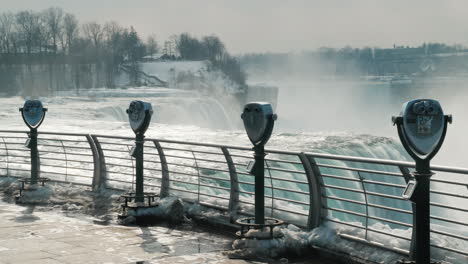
(365, 107)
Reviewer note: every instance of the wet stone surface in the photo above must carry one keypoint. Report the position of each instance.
(35, 234)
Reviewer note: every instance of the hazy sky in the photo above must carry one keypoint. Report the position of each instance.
(279, 25)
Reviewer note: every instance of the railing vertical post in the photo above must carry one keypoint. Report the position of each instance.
(6, 158)
(316, 200)
(100, 180)
(407, 176)
(164, 192)
(96, 162)
(234, 195)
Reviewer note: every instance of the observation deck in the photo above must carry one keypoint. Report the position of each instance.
(358, 200)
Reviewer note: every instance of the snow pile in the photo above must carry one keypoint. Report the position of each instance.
(296, 241)
(64, 196)
(169, 208)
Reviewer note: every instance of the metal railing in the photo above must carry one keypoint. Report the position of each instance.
(360, 197)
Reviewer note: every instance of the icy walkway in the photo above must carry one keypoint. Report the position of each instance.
(34, 234)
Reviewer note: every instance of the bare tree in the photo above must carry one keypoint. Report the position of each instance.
(53, 18)
(7, 21)
(152, 45)
(26, 22)
(93, 31)
(214, 47)
(71, 30)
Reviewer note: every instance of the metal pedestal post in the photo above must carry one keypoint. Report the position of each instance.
(420, 247)
(34, 156)
(259, 185)
(139, 168)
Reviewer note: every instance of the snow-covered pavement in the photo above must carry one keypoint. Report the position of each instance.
(36, 234)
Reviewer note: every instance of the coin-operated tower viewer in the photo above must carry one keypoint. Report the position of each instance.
(33, 114)
(139, 115)
(422, 127)
(259, 121)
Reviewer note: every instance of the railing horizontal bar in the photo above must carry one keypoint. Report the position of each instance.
(345, 211)
(247, 183)
(183, 173)
(64, 167)
(152, 169)
(16, 156)
(17, 169)
(216, 187)
(119, 172)
(370, 204)
(179, 157)
(450, 194)
(69, 175)
(284, 161)
(450, 182)
(340, 177)
(21, 149)
(63, 139)
(214, 161)
(384, 184)
(247, 202)
(119, 165)
(289, 211)
(289, 190)
(74, 183)
(184, 182)
(68, 160)
(449, 207)
(390, 221)
(369, 216)
(288, 180)
(116, 180)
(213, 169)
(374, 244)
(241, 156)
(343, 223)
(359, 170)
(215, 196)
(62, 153)
(215, 178)
(450, 235)
(182, 190)
(61, 147)
(388, 234)
(291, 201)
(361, 160)
(448, 220)
(26, 162)
(464, 253)
(390, 208)
(128, 158)
(285, 170)
(191, 150)
(129, 144)
(343, 188)
(386, 196)
(14, 143)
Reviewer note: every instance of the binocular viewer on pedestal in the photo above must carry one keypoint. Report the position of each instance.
(33, 114)
(422, 127)
(259, 120)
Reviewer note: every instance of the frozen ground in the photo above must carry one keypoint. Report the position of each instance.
(35, 234)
